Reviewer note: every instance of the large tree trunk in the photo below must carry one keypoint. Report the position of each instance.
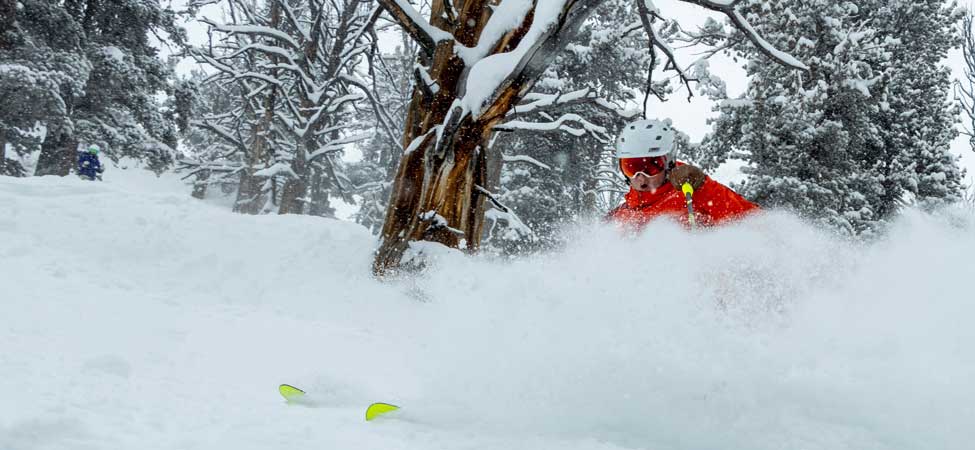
(250, 195)
(3, 152)
(8, 15)
(293, 192)
(201, 184)
(319, 202)
(59, 154)
(440, 187)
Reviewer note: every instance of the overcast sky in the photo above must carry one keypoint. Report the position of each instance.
(690, 117)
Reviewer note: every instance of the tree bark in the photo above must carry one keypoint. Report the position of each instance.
(319, 204)
(59, 154)
(3, 152)
(293, 192)
(250, 195)
(9, 167)
(201, 184)
(8, 16)
(436, 194)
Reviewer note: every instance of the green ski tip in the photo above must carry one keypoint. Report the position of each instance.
(377, 409)
(291, 393)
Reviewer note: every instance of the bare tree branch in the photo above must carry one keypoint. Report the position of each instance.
(965, 88)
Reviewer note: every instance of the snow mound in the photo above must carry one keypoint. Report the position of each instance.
(136, 317)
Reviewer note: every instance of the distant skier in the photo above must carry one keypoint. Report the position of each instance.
(645, 152)
(89, 167)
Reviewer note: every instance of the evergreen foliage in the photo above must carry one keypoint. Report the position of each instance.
(87, 72)
(866, 130)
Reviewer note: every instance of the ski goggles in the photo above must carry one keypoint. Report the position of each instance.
(650, 165)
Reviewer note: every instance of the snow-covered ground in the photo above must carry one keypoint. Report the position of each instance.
(134, 317)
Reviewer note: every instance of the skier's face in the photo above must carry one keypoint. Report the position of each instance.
(645, 183)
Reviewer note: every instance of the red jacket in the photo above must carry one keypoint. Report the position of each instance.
(714, 203)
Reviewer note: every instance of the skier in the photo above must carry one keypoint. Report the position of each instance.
(88, 165)
(645, 152)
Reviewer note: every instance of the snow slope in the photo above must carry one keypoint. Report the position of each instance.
(134, 317)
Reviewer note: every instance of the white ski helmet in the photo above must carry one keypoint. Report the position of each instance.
(644, 138)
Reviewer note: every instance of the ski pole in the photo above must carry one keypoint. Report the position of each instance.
(689, 199)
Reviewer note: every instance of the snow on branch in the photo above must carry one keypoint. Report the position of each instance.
(425, 34)
(292, 17)
(525, 159)
(553, 24)
(506, 17)
(502, 212)
(338, 145)
(533, 102)
(559, 124)
(437, 222)
(279, 168)
(727, 7)
(221, 132)
(256, 30)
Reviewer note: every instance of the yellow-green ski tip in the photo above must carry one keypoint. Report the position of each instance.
(290, 393)
(377, 409)
(687, 189)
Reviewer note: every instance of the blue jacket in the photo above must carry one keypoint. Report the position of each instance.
(88, 166)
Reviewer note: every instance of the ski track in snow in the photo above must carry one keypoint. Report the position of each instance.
(133, 316)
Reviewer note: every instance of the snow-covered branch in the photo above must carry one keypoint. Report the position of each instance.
(425, 34)
(501, 212)
(220, 131)
(533, 102)
(560, 124)
(525, 159)
(727, 7)
(254, 30)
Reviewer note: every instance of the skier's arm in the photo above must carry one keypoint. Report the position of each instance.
(721, 203)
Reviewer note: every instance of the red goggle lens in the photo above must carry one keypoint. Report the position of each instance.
(650, 165)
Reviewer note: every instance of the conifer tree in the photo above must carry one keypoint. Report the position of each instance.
(117, 108)
(866, 130)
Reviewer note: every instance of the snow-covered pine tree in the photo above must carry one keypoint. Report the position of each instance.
(42, 67)
(118, 107)
(296, 63)
(921, 117)
(866, 129)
